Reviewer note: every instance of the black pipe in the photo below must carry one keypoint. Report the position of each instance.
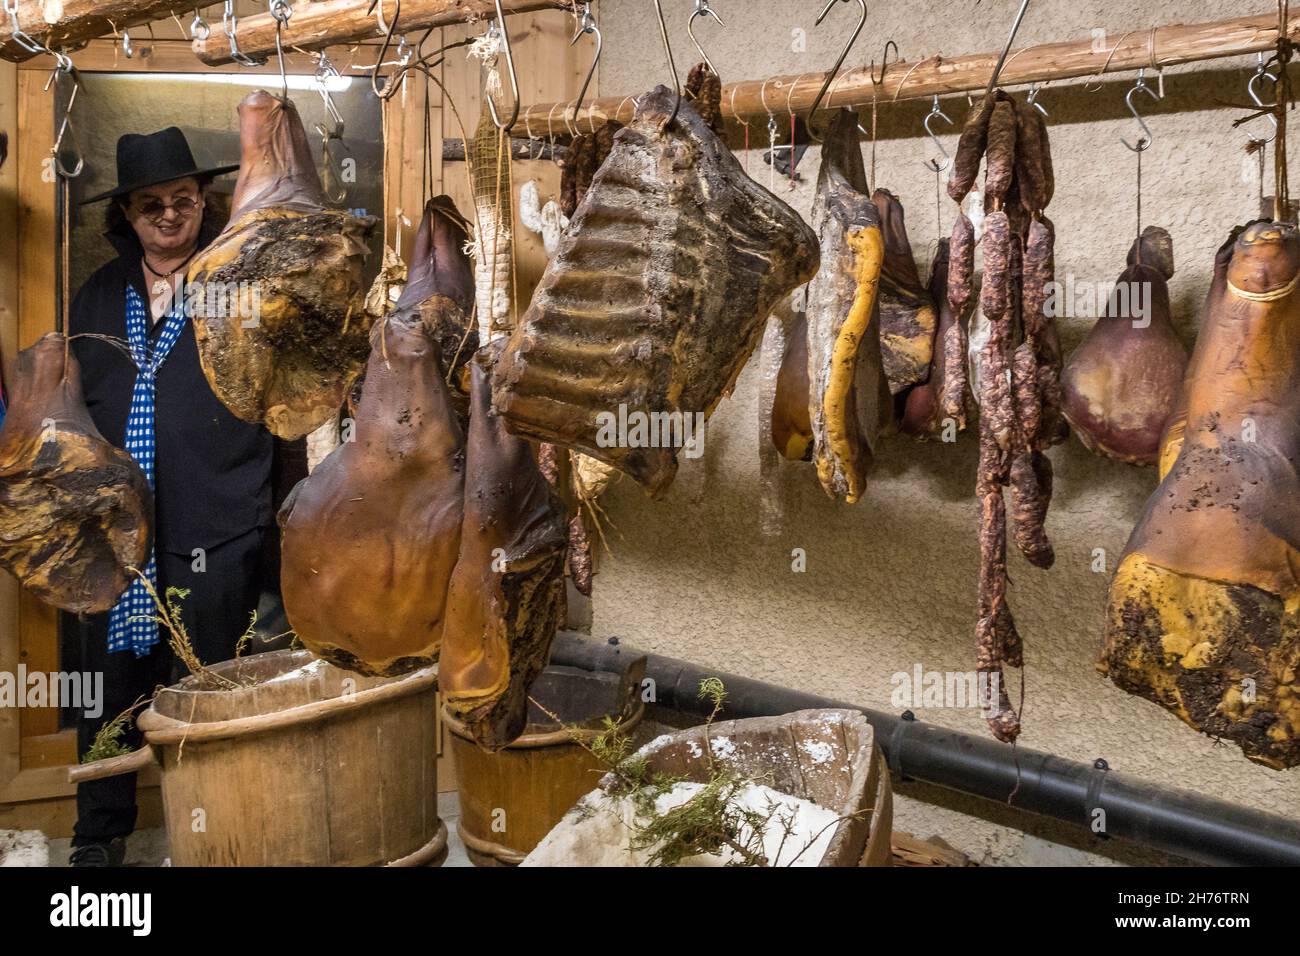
(1104, 801)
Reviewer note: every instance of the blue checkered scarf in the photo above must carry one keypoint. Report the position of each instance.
(131, 623)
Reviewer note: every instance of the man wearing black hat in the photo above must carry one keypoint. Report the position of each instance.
(211, 472)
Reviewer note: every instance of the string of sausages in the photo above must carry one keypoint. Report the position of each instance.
(1020, 363)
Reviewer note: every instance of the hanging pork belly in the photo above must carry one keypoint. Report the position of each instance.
(439, 291)
(849, 401)
(506, 598)
(1204, 611)
(75, 512)
(656, 297)
(280, 316)
(907, 317)
(371, 536)
(1121, 384)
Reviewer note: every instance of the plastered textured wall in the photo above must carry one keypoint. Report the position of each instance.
(890, 582)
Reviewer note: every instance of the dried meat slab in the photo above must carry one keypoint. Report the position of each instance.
(657, 295)
(908, 325)
(849, 402)
(370, 537)
(280, 308)
(75, 512)
(1204, 610)
(506, 599)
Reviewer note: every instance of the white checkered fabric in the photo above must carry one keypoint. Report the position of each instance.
(131, 623)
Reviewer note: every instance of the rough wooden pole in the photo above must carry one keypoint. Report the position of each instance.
(70, 23)
(781, 95)
(319, 23)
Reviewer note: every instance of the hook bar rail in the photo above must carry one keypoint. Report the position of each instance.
(937, 76)
(77, 21)
(323, 23)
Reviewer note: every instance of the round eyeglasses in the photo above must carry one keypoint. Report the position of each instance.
(155, 209)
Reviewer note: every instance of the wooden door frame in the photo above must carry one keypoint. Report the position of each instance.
(33, 768)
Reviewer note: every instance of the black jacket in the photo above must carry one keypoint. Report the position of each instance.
(212, 472)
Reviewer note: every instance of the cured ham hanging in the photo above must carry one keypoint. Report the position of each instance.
(439, 292)
(656, 297)
(1202, 616)
(75, 513)
(506, 598)
(1019, 362)
(280, 317)
(849, 398)
(1121, 384)
(370, 538)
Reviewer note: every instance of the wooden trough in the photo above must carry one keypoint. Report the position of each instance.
(829, 757)
(304, 765)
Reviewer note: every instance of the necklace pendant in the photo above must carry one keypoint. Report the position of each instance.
(161, 287)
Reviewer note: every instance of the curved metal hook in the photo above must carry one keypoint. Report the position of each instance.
(66, 126)
(280, 12)
(514, 78)
(1140, 86)
(702, 9)
(1032, 99)
(937, 113)
(387, 29)
(884, 64)
(586, 25)
(834, 71)
(199, 28)
(672, 64)
(1252, 89)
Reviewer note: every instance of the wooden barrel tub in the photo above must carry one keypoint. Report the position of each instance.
(510, 799)
(307, 765)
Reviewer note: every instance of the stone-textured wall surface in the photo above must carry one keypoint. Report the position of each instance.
(890, 582)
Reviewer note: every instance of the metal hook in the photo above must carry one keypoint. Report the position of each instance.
(672, 64)
(514, 78)
(1140, 86)
(586, 25)
(1262, 73)
(884, 64)
(199, 29)
(64, 68)
(1002, 60)
(834, 71)
(702, 9)
(1032, 99)
(936, 113)
(325, 71)
(16, 33)
(281, 11)
(230, 24)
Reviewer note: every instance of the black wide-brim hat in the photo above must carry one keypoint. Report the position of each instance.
(151, 158)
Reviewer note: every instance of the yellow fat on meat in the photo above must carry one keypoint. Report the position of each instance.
(868, 247)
